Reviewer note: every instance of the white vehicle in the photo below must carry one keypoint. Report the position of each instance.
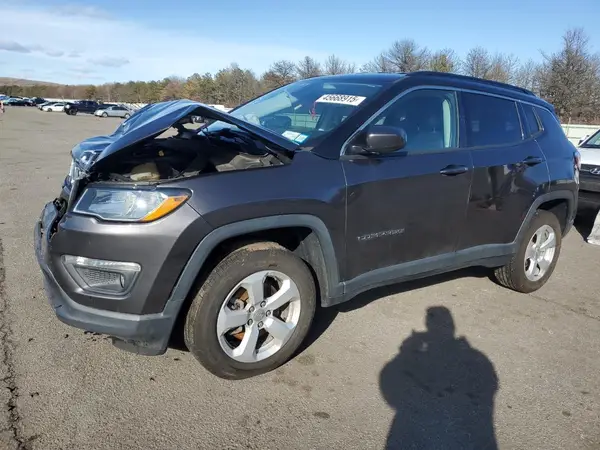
(589, 184)
(41, 105)
(54, 107)
(113, 111)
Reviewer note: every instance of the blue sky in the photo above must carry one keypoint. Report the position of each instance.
(96, 41)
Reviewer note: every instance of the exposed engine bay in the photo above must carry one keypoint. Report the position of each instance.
(190, 152)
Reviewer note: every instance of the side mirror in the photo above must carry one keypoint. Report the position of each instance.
(385, 139)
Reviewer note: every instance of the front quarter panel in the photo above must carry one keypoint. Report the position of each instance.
(309, 185)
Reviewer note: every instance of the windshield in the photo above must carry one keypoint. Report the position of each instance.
(304, 110)
(594, 141)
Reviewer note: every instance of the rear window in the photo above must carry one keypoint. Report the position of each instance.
(533, 123)
(491, 120)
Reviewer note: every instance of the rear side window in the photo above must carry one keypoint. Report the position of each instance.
(533, 123)
(549, 121)
(491, 120)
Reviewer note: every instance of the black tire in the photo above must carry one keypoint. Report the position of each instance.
(126, 116)
(512, 275)
(200, 332)
(104, 114)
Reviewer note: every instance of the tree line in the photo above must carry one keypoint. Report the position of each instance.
(569, 78)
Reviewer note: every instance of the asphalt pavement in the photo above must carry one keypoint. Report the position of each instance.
(451, 362)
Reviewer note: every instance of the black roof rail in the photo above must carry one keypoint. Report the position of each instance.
(475, 79)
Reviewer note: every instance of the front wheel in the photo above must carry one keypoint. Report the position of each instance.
(531, 267)
(104, 114)
(252, 312)
(126, 116)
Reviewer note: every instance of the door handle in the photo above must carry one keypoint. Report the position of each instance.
(453, 169)
(532, 160)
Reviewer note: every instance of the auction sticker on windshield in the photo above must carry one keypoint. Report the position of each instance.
(341, 99)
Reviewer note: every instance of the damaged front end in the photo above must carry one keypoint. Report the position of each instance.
(158, 144)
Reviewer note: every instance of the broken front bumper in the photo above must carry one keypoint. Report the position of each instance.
(143, 333)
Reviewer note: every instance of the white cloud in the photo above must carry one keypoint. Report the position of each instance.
(16, 47)
(54, 53)
(12, 46)
(108, 61)
(120, 50)
(82, 70)
(75, 10)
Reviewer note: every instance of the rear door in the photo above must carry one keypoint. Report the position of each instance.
(409, 205)
(509, 166)
(118, 111)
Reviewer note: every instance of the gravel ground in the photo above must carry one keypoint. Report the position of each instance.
(521, 371)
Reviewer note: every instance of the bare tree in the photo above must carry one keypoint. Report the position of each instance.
(527, 76)
(477, 63)
(378, 64)
(281, 73)
(407, 56)
(444, 60)
(173, 88)
(308, 68)
(571, 78)
(503, 68)
(336, 66)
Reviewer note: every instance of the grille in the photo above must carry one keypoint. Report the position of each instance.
(588, 167)
(99, 277)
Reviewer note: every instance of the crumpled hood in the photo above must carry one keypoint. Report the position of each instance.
(154, 119)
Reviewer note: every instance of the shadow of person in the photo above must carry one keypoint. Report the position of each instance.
(442, 390)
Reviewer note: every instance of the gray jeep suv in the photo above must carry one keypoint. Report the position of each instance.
(312, 193)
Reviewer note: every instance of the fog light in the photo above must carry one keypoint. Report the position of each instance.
(100, 276)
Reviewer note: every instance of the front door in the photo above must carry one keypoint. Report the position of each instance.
(408, 205)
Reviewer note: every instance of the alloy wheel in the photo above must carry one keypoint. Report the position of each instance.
(540, 252)
(259, 316)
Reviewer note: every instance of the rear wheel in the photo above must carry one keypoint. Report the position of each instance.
(531, 267)
(252, 311)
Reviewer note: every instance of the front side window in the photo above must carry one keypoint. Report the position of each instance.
(304, 110)
(491, 120)
(428, 119)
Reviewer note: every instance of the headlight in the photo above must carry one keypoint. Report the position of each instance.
(128, 205)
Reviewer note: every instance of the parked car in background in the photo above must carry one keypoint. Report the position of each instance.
(54, 107)
(411, 175)
(18, 101)
(589, 180)
(38, 101)
(113, 111)
(81, 106)
(41, 105)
